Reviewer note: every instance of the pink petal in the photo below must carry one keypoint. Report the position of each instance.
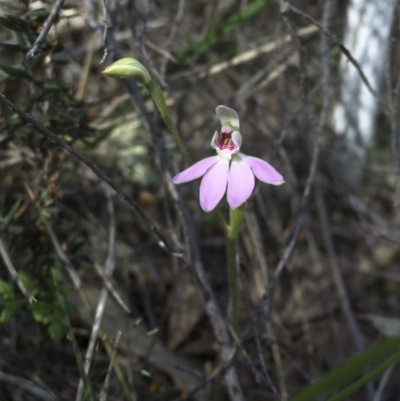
(240, 182)
(263, 171)
(195, 171)
(213, 184)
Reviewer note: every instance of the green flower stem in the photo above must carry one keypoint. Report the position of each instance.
(158, 97)
(233, 283)
(235, 223)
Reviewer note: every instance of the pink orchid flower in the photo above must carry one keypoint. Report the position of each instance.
(230, 168)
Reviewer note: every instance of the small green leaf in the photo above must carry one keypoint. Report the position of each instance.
(14, 23)
(29, 284)
(40, 311)
(40, 12)
(8, 312)
(51, 85)
(12, 212)
(13, 48)
(56, 331)
(52, 210)
(56, 275)
(15, 229)
(15, 72)
(10, 6)
(6, 290)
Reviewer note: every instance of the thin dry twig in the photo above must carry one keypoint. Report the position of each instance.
(105, 21)
(394, 102)
(46, 28)
(264, 304)
(288, 7)
(141, 38)
(337, 275)
(91, 14)
(111, 288)
(265, 376)
(170, 41)
(246, 56)
(382, 384)
(285, 6)
(255, 234)
(109, 269)
(297, 366)
(104, 177)
(256, 237)
(104, 390)
(27, 386)
(13, 272)
(256, 373)
(11, 161)
(69, 267)
(327, 235)
(217, 371)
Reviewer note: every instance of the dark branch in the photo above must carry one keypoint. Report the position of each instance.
(46, 28)
(103, 176)
(334, 39)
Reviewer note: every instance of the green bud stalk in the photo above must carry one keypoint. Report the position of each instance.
(130, 68)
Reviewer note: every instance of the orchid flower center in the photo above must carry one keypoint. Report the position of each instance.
(225, 142)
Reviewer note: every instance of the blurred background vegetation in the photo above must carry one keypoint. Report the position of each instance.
(56, 215)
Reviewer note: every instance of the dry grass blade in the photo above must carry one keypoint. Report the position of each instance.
(110, 265)
(104, 390)
(114, 292)
(27, 386)
(246, 56)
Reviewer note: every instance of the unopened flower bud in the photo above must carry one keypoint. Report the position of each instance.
(128, 68)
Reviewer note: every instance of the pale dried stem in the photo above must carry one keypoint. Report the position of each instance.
(104, 390)
(46, 28)
(109, 269)
(13, 272)
(27, 386)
